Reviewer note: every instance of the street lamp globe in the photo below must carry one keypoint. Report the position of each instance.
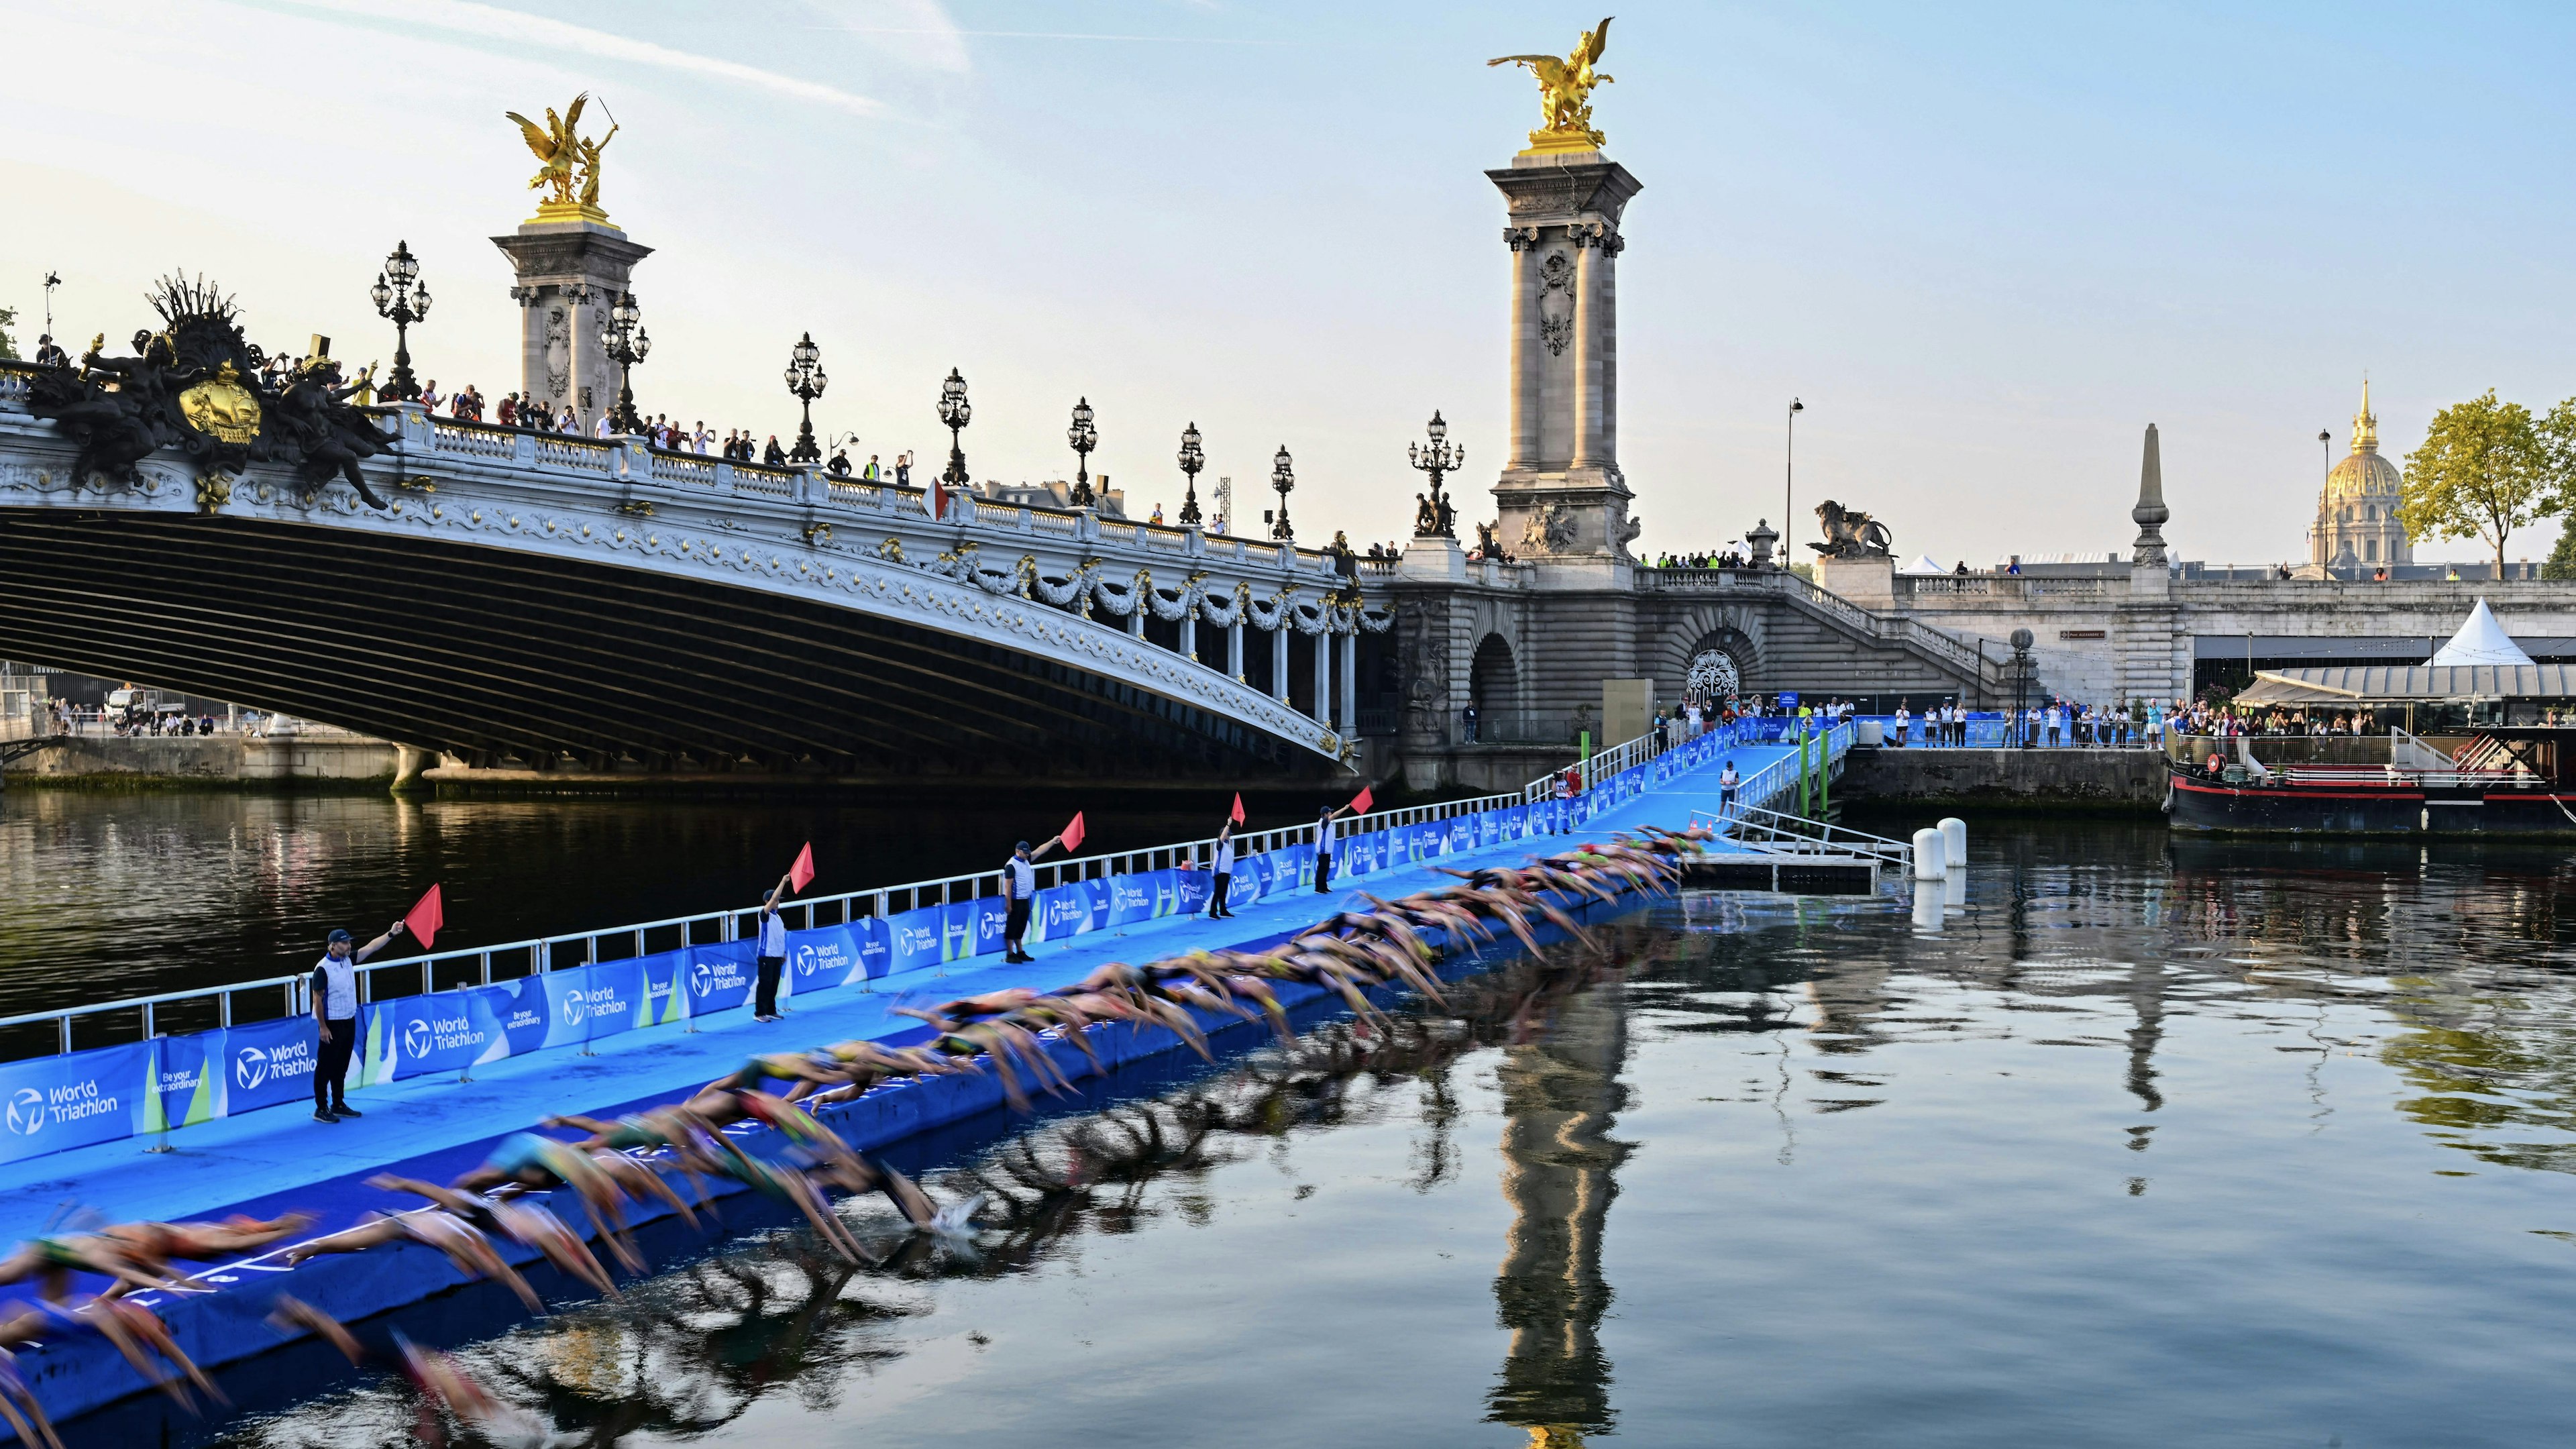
(954, 414)
(1084, 437)
(805, 382)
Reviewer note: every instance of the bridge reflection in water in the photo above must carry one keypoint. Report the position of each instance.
(1561, 1094)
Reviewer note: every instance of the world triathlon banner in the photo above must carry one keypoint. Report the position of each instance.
(53, 1104)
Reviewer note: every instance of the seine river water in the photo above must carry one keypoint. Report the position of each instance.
(2151, 1143)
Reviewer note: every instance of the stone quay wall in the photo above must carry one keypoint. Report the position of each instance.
(2043, 779)
(218, 760)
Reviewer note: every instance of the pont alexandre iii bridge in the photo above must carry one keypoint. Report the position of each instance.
(504, 602)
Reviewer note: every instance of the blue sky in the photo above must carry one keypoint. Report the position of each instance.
(1985, 244)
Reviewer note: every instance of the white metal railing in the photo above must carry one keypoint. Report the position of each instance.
(1775, 832)
(476, 965)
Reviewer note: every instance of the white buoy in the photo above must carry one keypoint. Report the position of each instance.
(1931, 856)
(1954, 841)
(1927, 903)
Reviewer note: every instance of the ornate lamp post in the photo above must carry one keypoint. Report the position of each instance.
(402, 299)
(2018, 729)
(1192, 460)
(1789, 484)
(1084, 437)
(1283, 479)
(805, 381)
(954, 414)
(1439, 460)
(623, 340)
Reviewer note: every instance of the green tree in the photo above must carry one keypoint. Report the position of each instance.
(2483, 473)
(2562, 559)
(8, 344)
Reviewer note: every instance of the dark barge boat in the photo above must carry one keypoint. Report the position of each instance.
(2466, 750)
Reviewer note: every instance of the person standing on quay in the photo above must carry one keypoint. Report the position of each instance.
(773, 953)
(335, 1011)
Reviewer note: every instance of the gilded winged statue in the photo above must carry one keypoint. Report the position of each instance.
(1565, 91)
(559, 146)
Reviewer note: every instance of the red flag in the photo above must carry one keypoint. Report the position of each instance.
(422, 921)
(801, 874)
(1072, 836)
(937, 498)
(1237, 816)
(1360, 802)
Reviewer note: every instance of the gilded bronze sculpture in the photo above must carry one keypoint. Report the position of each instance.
(200, 387)
(1565, 93)
(560, 148)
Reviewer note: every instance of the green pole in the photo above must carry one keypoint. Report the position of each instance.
(1825, 775)
(1805, 797)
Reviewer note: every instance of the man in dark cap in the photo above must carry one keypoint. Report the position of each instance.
(1020, 888)
(335, 1009)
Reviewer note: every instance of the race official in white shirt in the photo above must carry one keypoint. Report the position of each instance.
(335, 1011)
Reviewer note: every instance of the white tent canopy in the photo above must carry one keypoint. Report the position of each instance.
(1923, 565)
(2482, 640)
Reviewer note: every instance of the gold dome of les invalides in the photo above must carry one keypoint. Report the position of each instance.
(2356, 524)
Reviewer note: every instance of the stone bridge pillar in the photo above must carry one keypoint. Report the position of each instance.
(569, 274)
(1561, 495)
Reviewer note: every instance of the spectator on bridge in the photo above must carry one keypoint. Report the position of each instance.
(600, 429)
(840, 464)
(429, 397)
(507, 414)
(871, 473)
(903, 471)
(774, 455)
(773, 951)
(700, 437)
(568, 421)
(1020, 889)
(48, 354)
(335, 1011)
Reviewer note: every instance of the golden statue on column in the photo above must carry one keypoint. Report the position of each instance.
(559, 146)
(1565, 93)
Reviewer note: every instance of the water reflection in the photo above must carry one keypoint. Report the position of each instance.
(1561, 1094)
(2300, 1100)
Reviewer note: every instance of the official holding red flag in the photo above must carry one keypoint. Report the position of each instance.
(1324, 838)
(773, 934)
(1020, 887)
(1221, 864)
(335, 1012)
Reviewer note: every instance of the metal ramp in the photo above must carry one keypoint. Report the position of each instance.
(1768, 850)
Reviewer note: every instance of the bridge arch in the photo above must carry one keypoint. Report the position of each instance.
(1494, 679)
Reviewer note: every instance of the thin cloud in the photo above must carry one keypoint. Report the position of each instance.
(490, 22)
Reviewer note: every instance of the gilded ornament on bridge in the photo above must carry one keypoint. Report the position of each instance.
(568, 170)
(1565, 93)
(222, 407)
(200, 387)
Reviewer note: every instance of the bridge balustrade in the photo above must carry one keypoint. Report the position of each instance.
(799, 529)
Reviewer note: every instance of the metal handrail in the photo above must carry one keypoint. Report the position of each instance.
(549, 953)
(1798, 831)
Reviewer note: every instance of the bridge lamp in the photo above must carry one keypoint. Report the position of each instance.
(805, 382)
(1193, 458)
(1789, 489)
(1439, 460)
(401, 299)
(623, 338)
(1283, 480)
(954, 414)
(1084, 437)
